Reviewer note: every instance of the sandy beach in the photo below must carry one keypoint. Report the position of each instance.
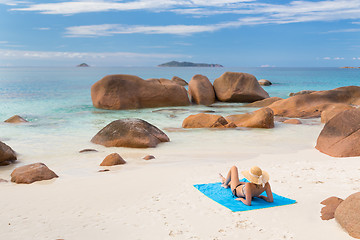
(156, 199)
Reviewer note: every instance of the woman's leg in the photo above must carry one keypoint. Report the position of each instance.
(232, 178)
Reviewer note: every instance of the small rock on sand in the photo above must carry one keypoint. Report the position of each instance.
(148, 157)
(113, 159)
(88, 150)
(32, 173)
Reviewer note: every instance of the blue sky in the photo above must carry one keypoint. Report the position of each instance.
(248, 33)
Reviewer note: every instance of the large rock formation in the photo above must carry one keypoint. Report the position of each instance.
(113, 159)
(333, 110)
(203, 120)
(312, 104)
(262, 118)
(15, 119)
(347, 214)
(263, 103)
(32, 173)
(130, 132)
(238, 87)
(340, 136)
(7, 155)
(131, 92)
(179, 81)
(201, 90)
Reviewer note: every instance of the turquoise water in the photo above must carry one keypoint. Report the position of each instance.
(57, 103)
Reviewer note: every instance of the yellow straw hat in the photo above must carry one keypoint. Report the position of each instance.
(256, 175)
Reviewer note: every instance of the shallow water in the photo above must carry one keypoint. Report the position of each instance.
(58, 105)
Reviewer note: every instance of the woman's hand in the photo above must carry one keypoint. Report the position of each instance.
(244, 201)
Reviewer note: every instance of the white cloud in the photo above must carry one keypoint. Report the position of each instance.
(111, 29)
(43, 28)
(250, 12)
(19, 54)
(349, 30)
(294, 11)
(333, 58)
(75, 7)
(12, 2)
(4, 42)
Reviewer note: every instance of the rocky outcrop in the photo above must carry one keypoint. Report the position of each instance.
(15, 119)
(32, 173)
(347, 214)
(292, 121)
(262, 118)
(179, 81)
(201, 90)
(7, 155)
(131, 92)
(263, 103)
(130, 132)
(264, 82)
(333, 110)
(203, 120)
(113, 159)
(340, 136)
(313, 104)
(238, 87)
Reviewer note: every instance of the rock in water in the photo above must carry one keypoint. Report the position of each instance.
(262, 118)
(264, 82)
(203, 120)
(131, 92)
(301, 92)
(15, 119)
(32, 173)
(347, 214)
(130, 132)
(312, 104)
(263, 103)
(201, 90)
(292, 121)
(340, 136)
(179, 81)
(113, 159)
(7, 155)
(238, 87)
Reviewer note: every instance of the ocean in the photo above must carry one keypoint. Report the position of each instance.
(62, 120)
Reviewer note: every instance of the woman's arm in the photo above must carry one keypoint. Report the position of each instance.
(269, 194)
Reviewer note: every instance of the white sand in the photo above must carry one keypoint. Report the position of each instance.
(156, 200)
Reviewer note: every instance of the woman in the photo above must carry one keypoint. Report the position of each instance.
(245, 191)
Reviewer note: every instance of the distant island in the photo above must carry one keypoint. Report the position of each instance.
(83, 65)
(188, 64)
(349, 67)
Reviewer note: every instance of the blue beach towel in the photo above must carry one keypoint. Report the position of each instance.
(224, 196)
